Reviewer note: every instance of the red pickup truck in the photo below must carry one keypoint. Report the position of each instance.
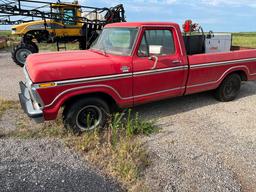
(129, 64)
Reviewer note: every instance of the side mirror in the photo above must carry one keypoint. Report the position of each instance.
(155, 49)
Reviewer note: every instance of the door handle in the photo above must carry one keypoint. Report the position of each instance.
(176, 61)
(156, 60)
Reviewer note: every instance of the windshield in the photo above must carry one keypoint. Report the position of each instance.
(118, 41)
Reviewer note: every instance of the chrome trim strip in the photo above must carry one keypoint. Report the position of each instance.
(213, 82)
(84, 87)
(252, 74)
(163, 91)
(113, 89)
(100, 78)
(221, 63)
(156, 71)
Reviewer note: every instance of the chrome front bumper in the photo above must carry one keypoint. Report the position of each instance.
(27, 104)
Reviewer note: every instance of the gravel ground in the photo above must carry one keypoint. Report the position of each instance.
(46, 165)
(42, 164)
(10, 75)
(204, 145)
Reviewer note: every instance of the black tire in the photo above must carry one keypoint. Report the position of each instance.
(35, 46)
(229, 88)
(20, 53)
(82, 44)
(78, 115)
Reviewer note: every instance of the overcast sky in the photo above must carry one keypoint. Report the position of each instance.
(216, 15)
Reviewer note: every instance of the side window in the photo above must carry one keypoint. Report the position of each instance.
(69, 15)
(156, 42)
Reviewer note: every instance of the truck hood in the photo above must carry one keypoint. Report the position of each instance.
(56, 66)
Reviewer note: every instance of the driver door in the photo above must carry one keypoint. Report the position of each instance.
(158, 71)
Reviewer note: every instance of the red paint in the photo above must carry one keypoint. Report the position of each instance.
(133, 90)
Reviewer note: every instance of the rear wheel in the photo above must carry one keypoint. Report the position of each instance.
(86, 115)
(82, 44)
(21, 52)
(35, 46)
(229, 88)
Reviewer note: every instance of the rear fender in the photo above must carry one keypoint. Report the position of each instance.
(236, 69)
(206, 86)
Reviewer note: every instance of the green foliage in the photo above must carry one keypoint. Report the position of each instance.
(132, 124)
(244, 40)
(5, 33)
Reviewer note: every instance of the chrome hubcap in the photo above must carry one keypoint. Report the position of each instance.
(22, 55)
(89, 118)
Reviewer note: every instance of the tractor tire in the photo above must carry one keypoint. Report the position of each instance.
(82, 44)
(229, 88)
(21, 52)
(35, 46)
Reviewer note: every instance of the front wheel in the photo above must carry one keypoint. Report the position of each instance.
(21, 52)
(86, 115)
(229, 88)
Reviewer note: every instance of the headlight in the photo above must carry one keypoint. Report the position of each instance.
(37, 101)
(36, 98)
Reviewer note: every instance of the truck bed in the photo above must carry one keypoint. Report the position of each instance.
(208, 70)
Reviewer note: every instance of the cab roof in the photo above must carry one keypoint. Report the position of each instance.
(140, 24)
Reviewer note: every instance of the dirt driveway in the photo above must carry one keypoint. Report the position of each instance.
(204, 145)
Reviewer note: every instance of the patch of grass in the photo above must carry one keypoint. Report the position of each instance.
(244, 39)
(117, 150)
(46, 130)
(5, 105)
(5, 33)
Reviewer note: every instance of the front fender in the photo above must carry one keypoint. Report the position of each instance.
(51, 109)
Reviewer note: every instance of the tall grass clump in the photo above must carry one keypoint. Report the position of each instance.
(118, 149)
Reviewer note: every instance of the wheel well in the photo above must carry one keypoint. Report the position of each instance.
(242, 74)
(107, 98)
(39, 35)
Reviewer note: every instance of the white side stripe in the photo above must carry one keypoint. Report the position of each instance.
(222, 63)
(120, 76)
(113, 89)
